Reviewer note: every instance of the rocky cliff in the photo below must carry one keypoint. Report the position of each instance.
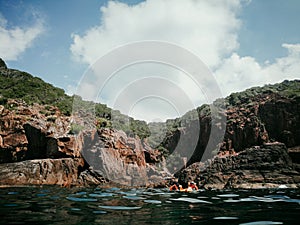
(253, 117)
(249, 155)
(41, 143)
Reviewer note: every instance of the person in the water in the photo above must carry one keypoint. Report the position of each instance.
(193, 186)
(178, 187)
(174, 187)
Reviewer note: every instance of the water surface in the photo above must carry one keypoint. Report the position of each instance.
(54, 205)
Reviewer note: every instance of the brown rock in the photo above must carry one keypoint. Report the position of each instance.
(62, 172)
(266, 166)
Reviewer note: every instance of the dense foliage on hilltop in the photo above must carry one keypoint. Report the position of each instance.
(21, 85)
(289, 89)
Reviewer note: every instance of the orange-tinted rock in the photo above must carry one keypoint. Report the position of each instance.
(27, 134)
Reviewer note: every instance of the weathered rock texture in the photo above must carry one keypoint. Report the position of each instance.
(34, 132)
(266, 166)
(38, 146)
(121, 159)
(254, 121)
(44, 171)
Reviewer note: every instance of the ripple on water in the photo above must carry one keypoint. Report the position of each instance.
(267, 199)
(228, 195)
(101, 195)
(190, 200)
(11, 205)
(41, 195)
(75, 209)
(74, 199)
(133, 197)
(99, 212)
(261, 223)
(225, 218)
(152, 201)
(81, 193)
(116, 207)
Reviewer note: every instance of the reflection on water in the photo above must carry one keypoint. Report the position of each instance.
(53, 205)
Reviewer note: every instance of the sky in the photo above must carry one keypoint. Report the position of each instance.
(238, 43)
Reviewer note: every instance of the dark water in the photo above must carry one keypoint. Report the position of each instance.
(52, 205)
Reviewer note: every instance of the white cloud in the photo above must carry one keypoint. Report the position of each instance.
(14, 41)
(238, 73)
(208, 28)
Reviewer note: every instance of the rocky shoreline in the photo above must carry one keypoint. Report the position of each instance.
(39, 145)
(40, 149)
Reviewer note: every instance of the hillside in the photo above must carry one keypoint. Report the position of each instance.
(17, 84)
(253, 116)
(21, 85)
(164, 136)
(37, 133)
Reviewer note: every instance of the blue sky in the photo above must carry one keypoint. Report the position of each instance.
(243, 43)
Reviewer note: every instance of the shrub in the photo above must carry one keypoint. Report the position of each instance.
(75, 128)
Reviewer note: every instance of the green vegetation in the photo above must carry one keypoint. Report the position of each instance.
(289, 89)
(21, 85)
(76, 128)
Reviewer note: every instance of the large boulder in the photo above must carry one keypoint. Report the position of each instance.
(62, 172)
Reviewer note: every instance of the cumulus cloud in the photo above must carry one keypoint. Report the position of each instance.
(15, 40)
(207, 28)
(238, 73)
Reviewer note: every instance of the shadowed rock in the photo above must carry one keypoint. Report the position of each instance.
(266, 166)
(2, 64)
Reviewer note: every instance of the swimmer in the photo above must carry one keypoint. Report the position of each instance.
(174, 187)
(193, 186)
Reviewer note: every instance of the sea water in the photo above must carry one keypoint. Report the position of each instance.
(54, 205)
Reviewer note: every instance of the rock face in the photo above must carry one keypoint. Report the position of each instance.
(266, 166)
(64, 172)
(38, 146)
(32, 132)
(121, 159)
(281, 117)
(252, 122)
(38, 172)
